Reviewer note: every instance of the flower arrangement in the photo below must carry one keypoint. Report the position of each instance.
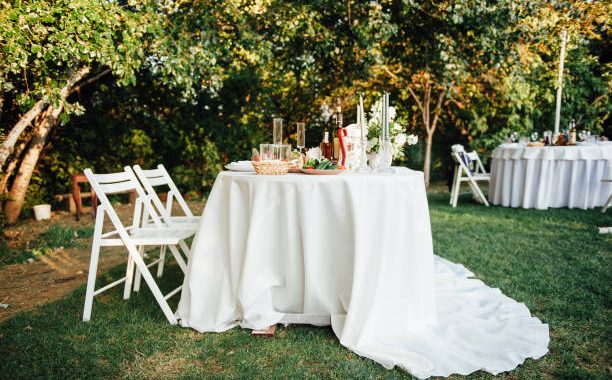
(396, 131)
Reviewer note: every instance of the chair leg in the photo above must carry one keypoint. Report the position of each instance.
(148, 278)
(138, 274)
(479, 192)
(179, 259)
(454, 186)
(186, 249)
(608, 204)
(129, 277)
(457, 188)
(162, 260)
(93, 267)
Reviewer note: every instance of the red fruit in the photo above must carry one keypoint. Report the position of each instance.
(256, 158)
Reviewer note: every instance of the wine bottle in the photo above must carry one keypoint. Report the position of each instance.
(326, 148)
(572, 133)
(337, 151)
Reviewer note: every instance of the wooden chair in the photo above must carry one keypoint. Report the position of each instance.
(134, 238)
(468, 168)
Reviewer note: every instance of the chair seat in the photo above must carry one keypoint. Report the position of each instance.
(482, 177)
(180, 221)
(477, 177)
(152, 236)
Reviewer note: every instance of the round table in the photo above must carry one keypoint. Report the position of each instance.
(551, 176)
(354, 251)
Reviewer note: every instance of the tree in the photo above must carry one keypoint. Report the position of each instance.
(442, 52)
(50, 49)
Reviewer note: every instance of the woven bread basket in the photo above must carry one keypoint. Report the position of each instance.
(272, 167)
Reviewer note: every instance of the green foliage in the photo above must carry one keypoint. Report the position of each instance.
(195, 84)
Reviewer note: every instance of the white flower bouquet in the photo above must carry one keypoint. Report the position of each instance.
(399, 137)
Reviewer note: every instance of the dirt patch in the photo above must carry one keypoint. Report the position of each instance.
(53, 275)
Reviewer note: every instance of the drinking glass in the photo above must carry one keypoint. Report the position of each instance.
(284, 152)
(268, 152)
(548, 137)
(534, 136)
(277, 131)
(514, 137)
(301, 136)
(582, 135)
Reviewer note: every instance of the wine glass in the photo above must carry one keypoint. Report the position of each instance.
(513, 137)
(277, 131)
(301, 136)
(534, 136)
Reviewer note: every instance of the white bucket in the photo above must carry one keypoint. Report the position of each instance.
(42, 212)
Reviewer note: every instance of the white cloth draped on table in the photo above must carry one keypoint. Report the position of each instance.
(356, 248)
(552, 176)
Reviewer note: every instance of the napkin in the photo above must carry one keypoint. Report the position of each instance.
(240, 166)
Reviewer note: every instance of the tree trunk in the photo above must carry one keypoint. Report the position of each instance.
(13, 136)
(19, 188)
(427, 163)
(12, 165)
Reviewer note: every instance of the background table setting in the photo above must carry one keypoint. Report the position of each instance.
(551, 176)
(352, 250)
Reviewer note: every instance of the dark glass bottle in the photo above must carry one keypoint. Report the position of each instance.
(326, 147)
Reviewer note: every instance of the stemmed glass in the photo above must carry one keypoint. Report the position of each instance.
(301, 136)
(513, 137)
(534, 136)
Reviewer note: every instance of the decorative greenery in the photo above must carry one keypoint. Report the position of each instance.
(396, 131)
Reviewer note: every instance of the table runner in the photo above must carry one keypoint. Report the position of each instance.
(356, 248)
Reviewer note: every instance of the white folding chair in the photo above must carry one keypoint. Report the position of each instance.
(134, 238)
(463, 173)
(609, 202)
(159, 177)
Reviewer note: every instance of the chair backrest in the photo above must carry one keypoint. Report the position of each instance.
(160, 177)
(465, 159)
(113, 183)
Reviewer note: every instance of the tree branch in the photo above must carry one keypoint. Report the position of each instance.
(437, 110)
(416, 99)
(89, 81)
(11, 139)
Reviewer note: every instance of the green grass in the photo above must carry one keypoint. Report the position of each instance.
(554, 261)
(56, 236)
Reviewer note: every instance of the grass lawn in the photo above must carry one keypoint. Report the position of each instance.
(554, 261)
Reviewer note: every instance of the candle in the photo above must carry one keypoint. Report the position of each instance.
(382, 120)
(360, 115)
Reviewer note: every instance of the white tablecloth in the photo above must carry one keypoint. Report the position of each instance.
(551, 176)
(354, 251)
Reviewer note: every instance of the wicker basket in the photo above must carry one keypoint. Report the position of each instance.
(273, 167)
(294, 166)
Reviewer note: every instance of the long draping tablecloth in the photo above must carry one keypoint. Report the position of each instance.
(551, 176)
(353, 250)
